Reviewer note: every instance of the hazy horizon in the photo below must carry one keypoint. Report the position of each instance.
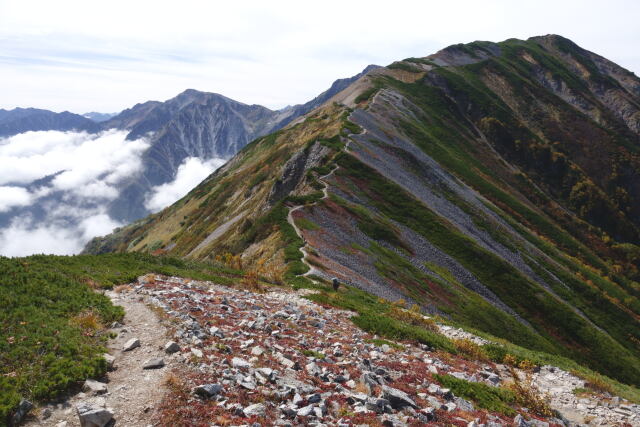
(70, 56)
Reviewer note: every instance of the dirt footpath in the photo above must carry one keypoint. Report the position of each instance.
(132, 392)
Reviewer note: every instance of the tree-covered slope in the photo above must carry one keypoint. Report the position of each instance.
(496, 184)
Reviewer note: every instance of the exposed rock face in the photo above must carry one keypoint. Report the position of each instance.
(294, 170)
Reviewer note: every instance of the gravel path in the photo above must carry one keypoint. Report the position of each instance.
(132, 392)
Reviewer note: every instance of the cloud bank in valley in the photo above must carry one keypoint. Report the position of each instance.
(63, 182)
(13, 196)
(55, 187)
(190, 173)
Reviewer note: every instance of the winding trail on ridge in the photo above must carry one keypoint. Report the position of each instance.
(313, 270)
(290, 220)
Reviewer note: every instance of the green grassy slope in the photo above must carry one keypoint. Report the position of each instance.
(52, 320)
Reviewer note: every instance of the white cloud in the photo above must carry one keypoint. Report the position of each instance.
(82, 172)
(22, 239)
(97, 225)
(27, 237)
(87, 164)
(13, 196)
(190, 173)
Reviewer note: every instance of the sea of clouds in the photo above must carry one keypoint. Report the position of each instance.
(55, 187)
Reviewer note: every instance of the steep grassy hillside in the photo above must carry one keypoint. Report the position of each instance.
(497, 185)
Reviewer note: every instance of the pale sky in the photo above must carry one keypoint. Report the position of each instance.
(82, 55)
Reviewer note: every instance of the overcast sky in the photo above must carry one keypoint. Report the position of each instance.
(81, 55)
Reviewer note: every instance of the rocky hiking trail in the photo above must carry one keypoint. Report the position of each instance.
(130, 392)
(276, 358)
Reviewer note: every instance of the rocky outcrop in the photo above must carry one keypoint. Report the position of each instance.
(294, 170)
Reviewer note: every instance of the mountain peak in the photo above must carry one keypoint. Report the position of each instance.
(475, 192)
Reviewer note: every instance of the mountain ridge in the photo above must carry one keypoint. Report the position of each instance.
(499, 192)
(192, 124)
(21, 120)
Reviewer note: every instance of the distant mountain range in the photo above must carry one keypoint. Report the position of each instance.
(20, 120)
(193, 124)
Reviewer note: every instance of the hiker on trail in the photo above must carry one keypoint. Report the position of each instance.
(336, 284)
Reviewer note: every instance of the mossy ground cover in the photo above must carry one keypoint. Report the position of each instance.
(487, 397)
(51, 333)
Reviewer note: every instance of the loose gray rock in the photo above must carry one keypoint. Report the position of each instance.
(429, 413)
(131, 344)
(519, 421)
(313, 369)
(208, 390)
(257, 351)
(463, 404)
(449, 406)
(46, 413)
(92, 416)
(288, 363)
(255, 410)
(379, 406)
(111, 361)
(397, 398)
(238, 363)
(155, 363)
(23, 409)
(94, 387)
(314, 398)
(305, 411)
(171, 347)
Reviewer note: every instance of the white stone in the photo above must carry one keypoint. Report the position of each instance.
(131, 344)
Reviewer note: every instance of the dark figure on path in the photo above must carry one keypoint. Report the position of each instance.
(336, 284)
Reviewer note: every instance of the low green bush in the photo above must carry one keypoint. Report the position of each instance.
(487, 397)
